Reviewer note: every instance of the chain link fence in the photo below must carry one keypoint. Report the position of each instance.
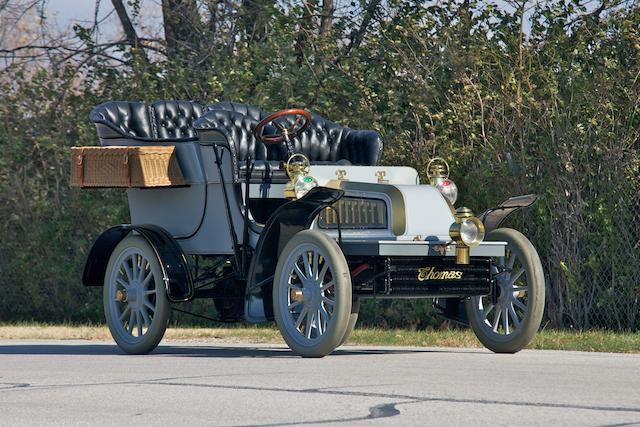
(593, 261)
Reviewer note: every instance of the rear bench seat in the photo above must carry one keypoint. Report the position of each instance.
(162, 121)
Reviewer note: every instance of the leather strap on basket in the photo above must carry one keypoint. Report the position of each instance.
(80, 162)
(127, 164)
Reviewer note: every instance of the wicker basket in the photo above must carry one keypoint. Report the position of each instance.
(154, 166)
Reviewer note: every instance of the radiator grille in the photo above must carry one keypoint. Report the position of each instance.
(355, 213)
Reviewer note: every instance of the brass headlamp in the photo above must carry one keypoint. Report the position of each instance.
(467, 231)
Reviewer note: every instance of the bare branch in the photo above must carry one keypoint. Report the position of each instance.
(182, 27)
(357, 35)
(127, 26)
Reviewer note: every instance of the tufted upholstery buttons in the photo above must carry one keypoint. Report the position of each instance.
(178, 121)
(160, 121)
(324, 141)
(177, 117)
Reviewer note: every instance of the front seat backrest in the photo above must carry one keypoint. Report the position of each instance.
(324, 141)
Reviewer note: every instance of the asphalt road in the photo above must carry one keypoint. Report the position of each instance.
(88, 383)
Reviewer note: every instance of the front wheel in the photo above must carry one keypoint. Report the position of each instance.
(509, 325)
(353, 318)
(312, 294)
(135, 300)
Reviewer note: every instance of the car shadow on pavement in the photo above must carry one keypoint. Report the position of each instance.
(84, 349)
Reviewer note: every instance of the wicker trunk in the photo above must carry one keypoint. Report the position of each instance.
(133, 166)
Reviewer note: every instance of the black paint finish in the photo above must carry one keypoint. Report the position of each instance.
(285, 222)
(397, 277)
(175, 269)
(98, 258)
(494, 217)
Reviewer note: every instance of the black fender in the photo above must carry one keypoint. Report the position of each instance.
(493, 217)
(282, 225)
(175, 268)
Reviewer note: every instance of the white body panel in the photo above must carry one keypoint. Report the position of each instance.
(407, 248)
(401, 175)
(166, 207)
(414, 212)
(195, 215)
(428, 216)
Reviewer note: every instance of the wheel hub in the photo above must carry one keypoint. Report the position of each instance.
(297, 295)
(135, 295)
(505, 292)
(312, 295)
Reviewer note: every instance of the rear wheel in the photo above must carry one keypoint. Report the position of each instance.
(135, 300)
(509, 325)
(312, 294)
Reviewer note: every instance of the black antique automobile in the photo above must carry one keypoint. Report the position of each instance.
(288, 217)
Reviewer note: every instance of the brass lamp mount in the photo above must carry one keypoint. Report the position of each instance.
(437, 170)
(465, 215)
(296, 167)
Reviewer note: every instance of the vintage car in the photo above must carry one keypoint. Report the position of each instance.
(288, 217)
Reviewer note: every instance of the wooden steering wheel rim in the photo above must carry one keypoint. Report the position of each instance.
(276, 139)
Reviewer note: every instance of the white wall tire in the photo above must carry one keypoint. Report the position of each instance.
(510, 324)
(312, 294)
(135, 301)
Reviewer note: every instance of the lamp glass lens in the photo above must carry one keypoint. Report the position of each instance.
(469, 232)
(448, 189)
(303, 184)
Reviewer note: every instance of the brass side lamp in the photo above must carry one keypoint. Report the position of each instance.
(300, 182)
(438, 173)
(437, 170)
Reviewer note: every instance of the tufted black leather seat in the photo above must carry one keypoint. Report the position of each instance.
(170, 121)
(324, 142)
(180, 121)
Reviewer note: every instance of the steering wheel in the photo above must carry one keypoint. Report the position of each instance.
(285, 132)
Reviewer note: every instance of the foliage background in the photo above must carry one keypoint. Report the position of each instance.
(522, 98)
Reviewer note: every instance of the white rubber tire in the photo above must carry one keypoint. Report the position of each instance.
(526, 253)
(325, 343)
(158, 319)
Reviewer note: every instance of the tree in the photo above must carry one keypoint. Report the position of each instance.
(182, 29)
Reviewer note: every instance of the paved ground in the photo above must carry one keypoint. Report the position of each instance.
(88, 383)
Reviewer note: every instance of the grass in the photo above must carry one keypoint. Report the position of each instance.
(601, 341)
